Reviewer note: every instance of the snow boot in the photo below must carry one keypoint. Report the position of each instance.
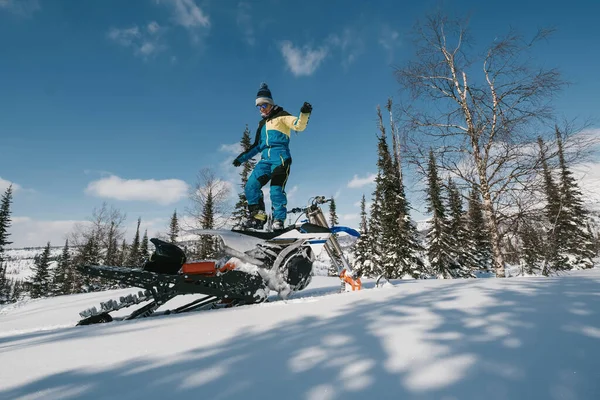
(277, 225)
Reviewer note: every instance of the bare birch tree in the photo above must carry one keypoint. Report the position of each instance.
(481, 113)
(213, 192)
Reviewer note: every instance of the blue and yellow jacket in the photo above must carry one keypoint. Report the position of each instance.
(273, 135)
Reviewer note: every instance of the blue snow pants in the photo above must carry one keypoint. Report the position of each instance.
(277, 171)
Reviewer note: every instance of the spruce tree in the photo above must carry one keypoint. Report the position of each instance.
(5, 221)
(397, 239)
(144, 251)
(531, 245)
(479, 241)
(376, 246)
(4, 285)
(16, 290)
(41, 281)
(174, 228)
(207, 243)
(240, 211)
(438, 242)
(333, 217)
(578, 242)
(122, 256)
(111, 254)
(460, 249)
(554, 258)
(361, 249)
(133, 257)
(62, 276)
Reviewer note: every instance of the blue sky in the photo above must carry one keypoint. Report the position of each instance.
(125, 102)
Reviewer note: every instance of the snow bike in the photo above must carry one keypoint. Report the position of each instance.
(250, 264)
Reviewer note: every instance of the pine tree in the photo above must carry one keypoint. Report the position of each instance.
(531, 243)
(441, 261)
(373, 267)
(174, 228)
(207, 243)
(241, 207)
(62, 276)
(111, 251)
(144, 252)
(4, 285)
(578, 242)
(5, 221)
(16, 290)
(41, 282)
(553, 253)
(122, 256)
(134, 250)
(460, 249)
(361, 250)
(333, 217)
(87, 254)
(397, 239)
(479, 241)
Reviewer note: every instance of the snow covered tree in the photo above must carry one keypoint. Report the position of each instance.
(396, 240)
(5, 288)
(531, 249)
(576, 239)
(553, 210)
(361, 249)
(133, 256)
(374, 228)
(174, 228)
(460, 249)
(41, 282)
(240, 211)
(477, 233)
(439, 243)
(479, 108)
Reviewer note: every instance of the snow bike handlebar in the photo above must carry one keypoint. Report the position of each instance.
(317, 200)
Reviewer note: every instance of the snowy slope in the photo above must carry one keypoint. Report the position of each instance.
(517, 338)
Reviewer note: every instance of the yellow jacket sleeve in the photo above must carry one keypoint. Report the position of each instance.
(297, 124)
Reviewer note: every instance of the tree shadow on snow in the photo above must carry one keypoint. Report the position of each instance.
(519, 339)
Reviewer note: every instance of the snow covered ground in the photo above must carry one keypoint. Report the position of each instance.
(517, 338)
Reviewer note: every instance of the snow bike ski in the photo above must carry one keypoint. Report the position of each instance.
(250, 264)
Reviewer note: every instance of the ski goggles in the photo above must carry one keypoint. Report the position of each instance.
(263, 106)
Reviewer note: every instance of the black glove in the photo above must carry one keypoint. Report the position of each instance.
(236, 163)
(306, 108)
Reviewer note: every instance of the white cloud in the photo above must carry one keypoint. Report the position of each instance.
(4, 184)
(21, 7)
(357, 182)
(233, 148)
(189, 16)
(28, 232)
(348, 217)
(302, 61)
(350, 45)
(153, 27)
(245, 22)
(163, 192)
(145, 42)
(389, 39)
